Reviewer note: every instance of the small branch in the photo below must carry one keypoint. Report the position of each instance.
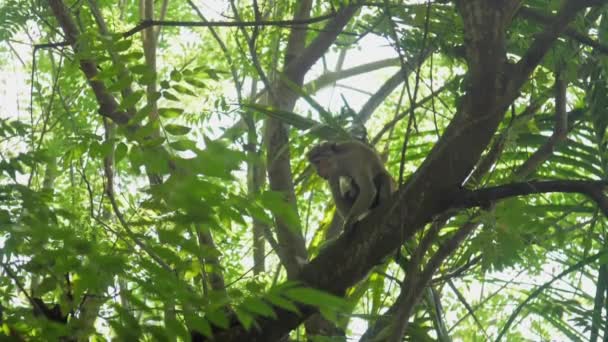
(495, 151)
(405, 112)
(331, 77)
(133, 237)
(579, 265)
(560, 132)
(21, 288)
(224, 48)
(485, 197)
(458, 271)
(532, 14)
(596, 316)
(467, 306)
(390, 85)
(109, 189)
(544, 41)
(148, 23)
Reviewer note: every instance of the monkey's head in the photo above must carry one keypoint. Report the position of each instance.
(322, 158)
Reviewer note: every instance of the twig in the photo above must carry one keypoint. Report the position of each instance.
(544, 286)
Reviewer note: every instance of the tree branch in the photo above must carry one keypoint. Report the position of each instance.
(390, 85)
(333, 76)
(297, 68)
(108, 106)
(579, 265)
(560, 132)
(532, 14)
(544, 41)
(149, 23)
(276, 136)
(484, 197)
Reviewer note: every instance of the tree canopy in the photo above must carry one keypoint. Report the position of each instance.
(154, 182)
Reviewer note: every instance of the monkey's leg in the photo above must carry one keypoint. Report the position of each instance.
(365, 198)
(343, 204)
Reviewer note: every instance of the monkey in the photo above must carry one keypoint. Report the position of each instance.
(52, 313)
(356, 175)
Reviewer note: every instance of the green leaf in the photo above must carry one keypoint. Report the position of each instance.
(149, 77)
(315, 297)
(131, 100)
(283, 303)
(177, 129)
(154, 142)
(170, 96)
(200, 324)
(140, 69)
(245, 318)
(145, 131)
(218, 318)
(121, 84)
(170, 113)
(183, 90)
(194, 82)
(183, 145)
(141, 114)
(120, 152)
(176, 76)
(258, 306)
(314, 104)
(315, 128)
(122, 45)
(132, 56)
(48, 284)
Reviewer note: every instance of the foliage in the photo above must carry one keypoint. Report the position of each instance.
(146, 230)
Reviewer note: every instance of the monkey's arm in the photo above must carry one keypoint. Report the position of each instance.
(365, 198)
(342, 204)
(385, 185)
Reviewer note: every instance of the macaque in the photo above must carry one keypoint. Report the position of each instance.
(356, 175)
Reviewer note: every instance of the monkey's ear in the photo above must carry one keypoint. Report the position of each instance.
(312, 152)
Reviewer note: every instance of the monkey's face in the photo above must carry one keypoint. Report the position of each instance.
(324, 167)
(321, 157)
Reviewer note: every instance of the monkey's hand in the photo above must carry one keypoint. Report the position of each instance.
(351, 220)
(348, 223)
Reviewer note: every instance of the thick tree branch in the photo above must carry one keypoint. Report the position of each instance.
(415, 281)
(544, 41)
(291, 241)
(108, 106)
(122, 70)
(532, 14)
(278, 158)
(297, 68)
(484, 197)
